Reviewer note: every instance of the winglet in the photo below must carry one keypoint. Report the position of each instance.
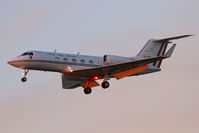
(170, 51)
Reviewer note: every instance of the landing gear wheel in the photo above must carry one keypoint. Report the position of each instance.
(105, 84)
(24, 79)
(87, 90)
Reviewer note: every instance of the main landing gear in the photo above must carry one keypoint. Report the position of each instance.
(24, 79)
(87, 90)
(105, 84)
(92, 83)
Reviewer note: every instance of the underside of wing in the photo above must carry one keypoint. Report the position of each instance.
(70, 84)
(111, 69)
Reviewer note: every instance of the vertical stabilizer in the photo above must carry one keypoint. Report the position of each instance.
(152, 49)
(157, 48)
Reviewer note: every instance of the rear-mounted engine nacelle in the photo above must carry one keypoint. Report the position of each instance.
(113, 59)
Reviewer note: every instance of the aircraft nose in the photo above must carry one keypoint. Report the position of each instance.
(17, 62)
(14, 63)
(11, 62)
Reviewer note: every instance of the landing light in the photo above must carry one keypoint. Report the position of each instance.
(95, 78)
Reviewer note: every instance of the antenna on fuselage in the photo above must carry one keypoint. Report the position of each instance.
(78, 53)
(55, 51)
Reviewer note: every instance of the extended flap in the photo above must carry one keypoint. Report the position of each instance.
(129, 72)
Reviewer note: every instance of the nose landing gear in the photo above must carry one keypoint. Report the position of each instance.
(24, 79)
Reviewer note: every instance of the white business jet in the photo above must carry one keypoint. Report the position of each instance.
(82, 70)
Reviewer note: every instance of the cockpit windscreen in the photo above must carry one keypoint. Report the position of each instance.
(27, 53)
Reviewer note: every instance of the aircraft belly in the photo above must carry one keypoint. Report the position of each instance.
(57, 67)
(45, 66)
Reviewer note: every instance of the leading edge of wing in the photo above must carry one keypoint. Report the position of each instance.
(111, 69)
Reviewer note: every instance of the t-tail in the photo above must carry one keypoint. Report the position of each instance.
(157, 48)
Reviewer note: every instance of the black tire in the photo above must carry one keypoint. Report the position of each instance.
(105, 84)
(24, 79)
(87, 90)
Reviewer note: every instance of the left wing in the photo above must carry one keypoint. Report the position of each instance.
(112, 69)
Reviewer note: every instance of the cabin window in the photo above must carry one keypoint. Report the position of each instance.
(82, 61)
(74, 60)
(56, 58)
(91, 62)
(51, 54)
(65, 59)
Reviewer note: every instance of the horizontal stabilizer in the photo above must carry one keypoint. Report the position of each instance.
(170, 51)
(172, 38)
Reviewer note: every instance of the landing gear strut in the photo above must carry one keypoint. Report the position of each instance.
(24, 79)
(87, 90)
(105, 84)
